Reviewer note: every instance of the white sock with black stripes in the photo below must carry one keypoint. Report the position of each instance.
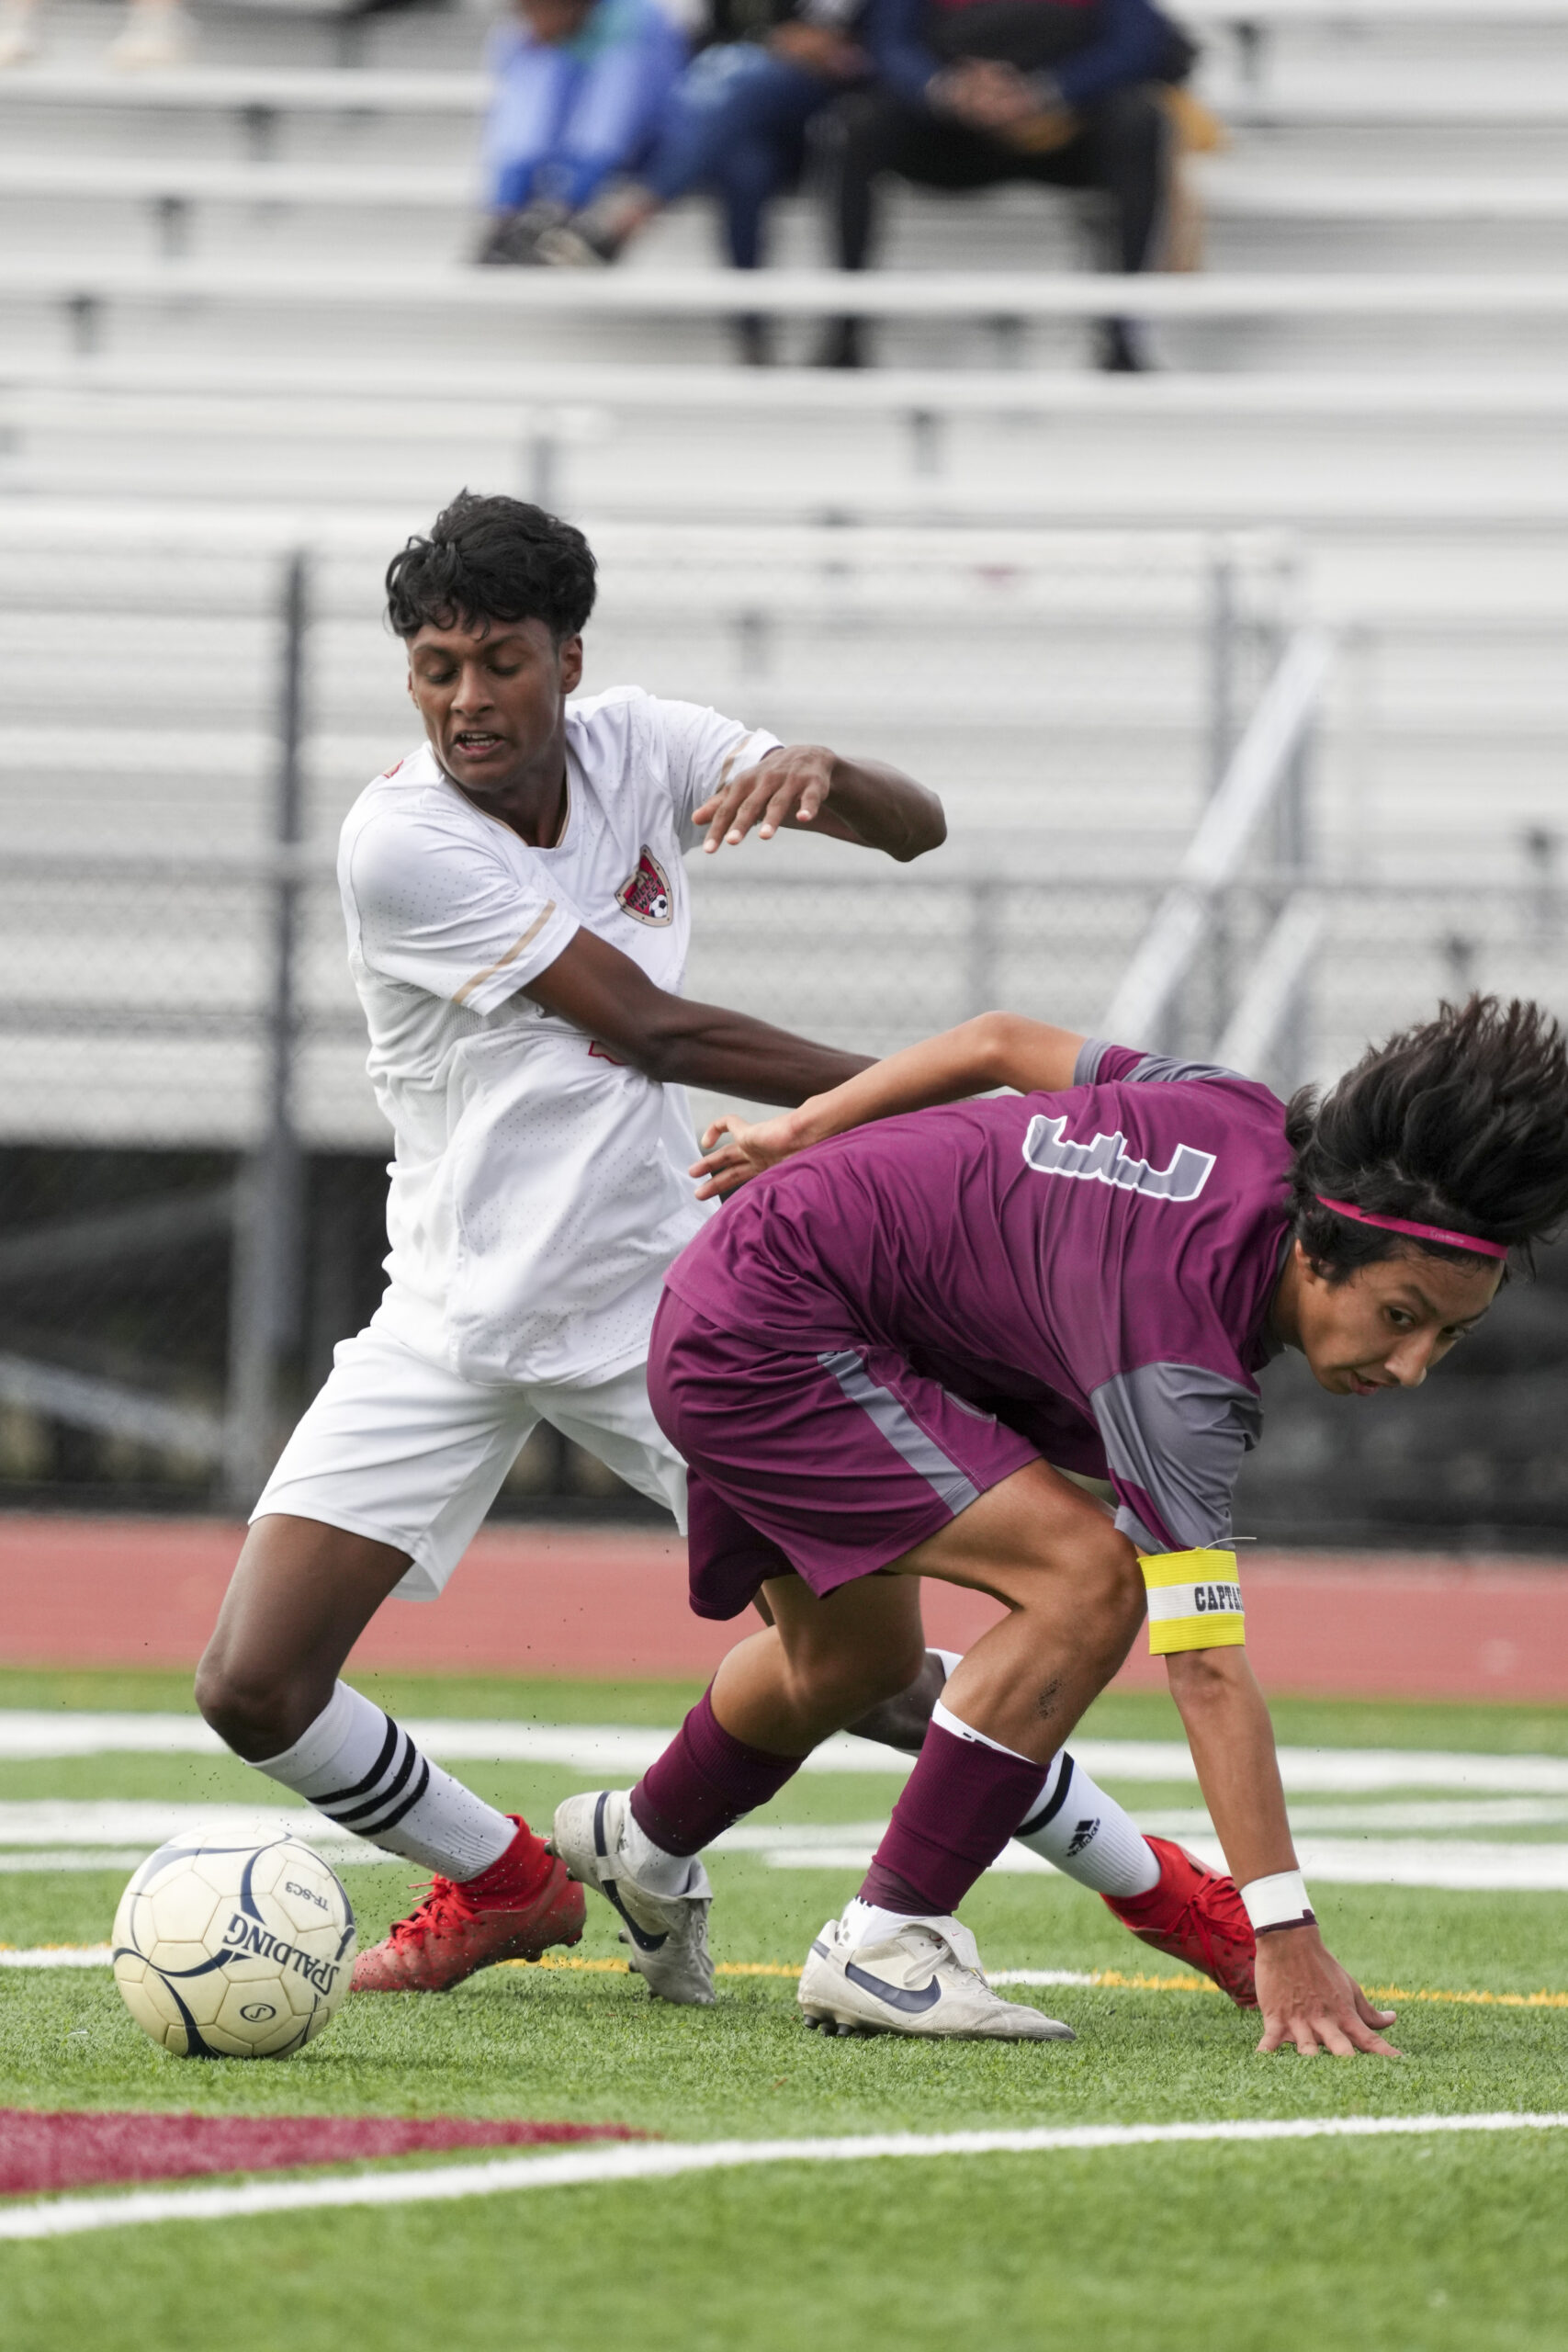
(362, 1770)
(1087, 1835)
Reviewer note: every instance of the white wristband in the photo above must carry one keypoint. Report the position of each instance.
(1278, 1902)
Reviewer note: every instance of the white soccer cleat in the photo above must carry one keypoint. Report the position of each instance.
(924, 1980)
(668, 1934)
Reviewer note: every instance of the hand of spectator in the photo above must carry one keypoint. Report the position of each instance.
(786, 787)
(983, 93)
(820, 49)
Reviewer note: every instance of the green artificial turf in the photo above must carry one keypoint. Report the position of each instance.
(1436, 2247)
(1405, 2245)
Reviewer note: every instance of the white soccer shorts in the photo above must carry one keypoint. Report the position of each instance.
(398, 1449)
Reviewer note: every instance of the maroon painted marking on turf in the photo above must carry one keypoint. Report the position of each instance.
(78, 1591)
(74, 2150)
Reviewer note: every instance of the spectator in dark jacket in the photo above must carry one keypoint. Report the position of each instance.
(971, 93)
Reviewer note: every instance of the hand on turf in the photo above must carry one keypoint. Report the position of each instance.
(786, 787)
(735, 1149)
(1307, 2000)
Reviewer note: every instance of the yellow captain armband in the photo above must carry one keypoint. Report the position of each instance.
(1194, 1601)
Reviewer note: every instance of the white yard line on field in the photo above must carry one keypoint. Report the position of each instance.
(1450, 1864)
(66, 2216)
(56, 1956)
(50, 1834)
(617, 1750)
(139, 1825)
(46, 1860)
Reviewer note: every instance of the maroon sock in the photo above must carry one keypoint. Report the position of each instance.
(705, 1781)
(960, 1805)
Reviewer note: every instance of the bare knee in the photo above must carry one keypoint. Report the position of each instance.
(902, 1719)
(1109, 1592)
(302, 1594)
(835, 1688)
(256, 1709)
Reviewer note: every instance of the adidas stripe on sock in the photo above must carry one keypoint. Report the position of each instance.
(360, 1769)
(1087, 1835)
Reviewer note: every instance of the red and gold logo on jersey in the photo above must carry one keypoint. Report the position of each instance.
(645, 895)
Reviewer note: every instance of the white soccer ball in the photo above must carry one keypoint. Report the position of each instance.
(233, 1951)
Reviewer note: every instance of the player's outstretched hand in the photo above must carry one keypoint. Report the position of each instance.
(1308, 2000)
(786, 787)
(735, 1149)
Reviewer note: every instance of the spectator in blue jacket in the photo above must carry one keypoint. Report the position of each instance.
(735, 126)
(975, 92)
(581, 88)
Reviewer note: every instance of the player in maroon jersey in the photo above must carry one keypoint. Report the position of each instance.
(873, 1358)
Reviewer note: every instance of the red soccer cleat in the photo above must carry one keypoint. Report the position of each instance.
(1196, 1916)
(515, 1910)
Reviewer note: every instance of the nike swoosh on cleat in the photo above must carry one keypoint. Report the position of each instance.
(894, 1995)
(639, 1936)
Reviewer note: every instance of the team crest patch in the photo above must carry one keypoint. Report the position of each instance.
(645, 895)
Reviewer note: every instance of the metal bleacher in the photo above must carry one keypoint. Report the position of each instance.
(1242, 680)
(235, 301)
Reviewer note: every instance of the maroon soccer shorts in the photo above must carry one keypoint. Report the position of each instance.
(831, 1464)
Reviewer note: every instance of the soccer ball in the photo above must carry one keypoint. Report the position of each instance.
(233, 1951)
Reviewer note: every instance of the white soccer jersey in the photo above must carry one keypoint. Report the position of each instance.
(539, 1189)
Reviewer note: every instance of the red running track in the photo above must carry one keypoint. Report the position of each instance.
(40, 2152)
(542, 1601)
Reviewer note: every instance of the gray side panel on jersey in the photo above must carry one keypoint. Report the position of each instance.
(1154, 1068)
(1177, 1432)
(1165, 1069)
(901, 1429)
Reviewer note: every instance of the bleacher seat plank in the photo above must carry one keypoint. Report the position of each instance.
(800, 293)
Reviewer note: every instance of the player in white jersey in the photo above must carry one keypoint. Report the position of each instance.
(517, 922)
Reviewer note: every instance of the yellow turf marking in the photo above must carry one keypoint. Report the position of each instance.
(617, 1967)
(1101, 1979)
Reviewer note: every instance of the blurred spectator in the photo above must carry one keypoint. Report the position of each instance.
(735, 125)
(971, 93)
(155, 32)
(581, 86)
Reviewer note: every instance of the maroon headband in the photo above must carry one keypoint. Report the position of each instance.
(1467, 1241)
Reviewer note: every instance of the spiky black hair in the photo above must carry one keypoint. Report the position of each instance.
(1462, 1123)
(492, 559)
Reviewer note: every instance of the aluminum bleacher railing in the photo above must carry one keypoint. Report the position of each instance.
(87, 291)
(173, 188)
(1266, 777)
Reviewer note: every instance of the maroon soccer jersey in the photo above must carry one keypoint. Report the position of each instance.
(1092, 1267)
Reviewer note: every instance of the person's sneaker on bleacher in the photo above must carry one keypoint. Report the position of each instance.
(513, 239)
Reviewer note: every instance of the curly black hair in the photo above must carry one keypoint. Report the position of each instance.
(1462, 1123)
(492, 559)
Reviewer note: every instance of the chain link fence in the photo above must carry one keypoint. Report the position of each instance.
(192, 1175)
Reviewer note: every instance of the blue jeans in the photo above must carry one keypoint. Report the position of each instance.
(736, 123)
(561, 123)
